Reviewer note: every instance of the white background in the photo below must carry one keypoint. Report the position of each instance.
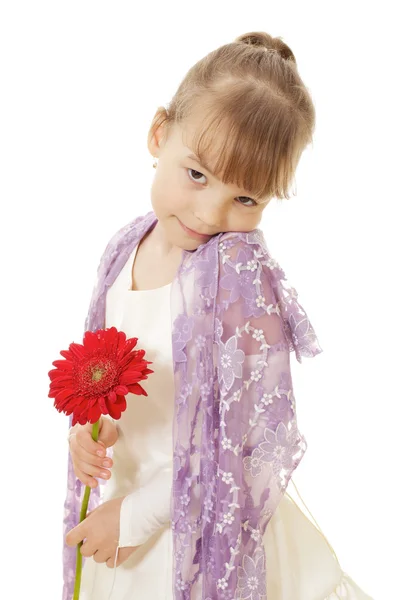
(80, 82)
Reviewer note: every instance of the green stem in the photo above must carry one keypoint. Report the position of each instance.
(85, 502)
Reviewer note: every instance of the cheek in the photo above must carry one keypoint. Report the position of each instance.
(179, 190)
(167, 197)
(240, 221)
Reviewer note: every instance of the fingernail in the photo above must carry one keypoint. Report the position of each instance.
(100, 452)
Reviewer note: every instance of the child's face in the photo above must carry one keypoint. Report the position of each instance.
(183, 191)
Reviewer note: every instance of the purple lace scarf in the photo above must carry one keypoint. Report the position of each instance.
(234, 323)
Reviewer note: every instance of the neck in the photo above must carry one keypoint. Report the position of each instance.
(160, 243)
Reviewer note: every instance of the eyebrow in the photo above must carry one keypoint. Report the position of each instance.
(197, 159)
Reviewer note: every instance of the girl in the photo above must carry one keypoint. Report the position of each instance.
(197, 507)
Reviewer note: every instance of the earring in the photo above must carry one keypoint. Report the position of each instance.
(154, 164)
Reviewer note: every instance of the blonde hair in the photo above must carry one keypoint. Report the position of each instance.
(251, 93)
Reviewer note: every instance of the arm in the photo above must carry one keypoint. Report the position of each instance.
(146, 510)
(252, 443)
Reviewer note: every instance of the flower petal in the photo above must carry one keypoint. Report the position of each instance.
(249, 565)
(77, 350)
(63, 365)
(63, 394)
(94, 414)
(115, 410)
(90, 341)
(281, 434)
(121, 389)
(112, 396)
(103, 405)
(136, 388)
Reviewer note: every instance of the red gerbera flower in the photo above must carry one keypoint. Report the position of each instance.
(96, 376)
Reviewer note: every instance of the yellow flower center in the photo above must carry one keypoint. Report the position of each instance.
(97, 374)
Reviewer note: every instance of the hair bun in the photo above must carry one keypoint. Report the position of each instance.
(264, 40)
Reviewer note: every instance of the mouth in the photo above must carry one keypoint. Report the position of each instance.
(194, 234)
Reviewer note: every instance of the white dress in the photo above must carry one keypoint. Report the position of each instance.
(300, 562)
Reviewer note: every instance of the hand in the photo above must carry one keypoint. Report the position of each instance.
(101, 530)
(83, 449)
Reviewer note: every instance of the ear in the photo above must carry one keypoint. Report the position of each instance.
(157, 132)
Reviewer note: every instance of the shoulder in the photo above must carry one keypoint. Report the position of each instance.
(251, 277)
(255, 237)
(245, 261)
(129, 230)
(247, 250)
(120, 238)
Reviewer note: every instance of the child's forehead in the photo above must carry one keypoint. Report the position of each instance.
(212, 145)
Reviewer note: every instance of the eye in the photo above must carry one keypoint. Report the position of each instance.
(248, 199)
(254, 203)
(194, 171)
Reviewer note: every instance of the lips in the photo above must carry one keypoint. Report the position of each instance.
(193, 233)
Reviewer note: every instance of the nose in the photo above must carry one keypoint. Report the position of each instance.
(211, 214)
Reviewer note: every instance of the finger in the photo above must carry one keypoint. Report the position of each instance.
(84, 478)
(101, 556)
(88, 548)
(85, 439)
(94, 471)
(123, 554)
(111, 559)
(81, 454)
(75, 535)
(109, 433)
(77, 445)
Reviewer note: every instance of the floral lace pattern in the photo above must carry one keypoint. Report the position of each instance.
(234, 321)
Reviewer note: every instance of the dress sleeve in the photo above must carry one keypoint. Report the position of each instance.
(259, 441)
(146, 510)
